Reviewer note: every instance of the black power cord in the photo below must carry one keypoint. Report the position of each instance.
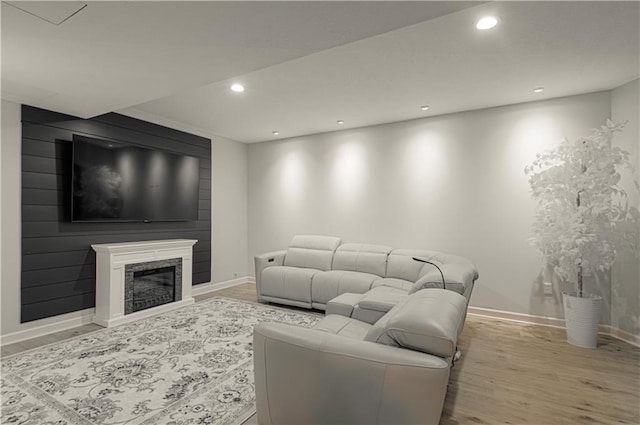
(420, 260)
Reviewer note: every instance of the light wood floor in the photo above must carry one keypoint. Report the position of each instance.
(510, 373)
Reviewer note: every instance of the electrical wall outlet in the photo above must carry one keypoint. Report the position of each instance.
(548, 288)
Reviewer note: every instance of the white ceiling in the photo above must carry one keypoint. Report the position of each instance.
(112, 55)
(308, 64)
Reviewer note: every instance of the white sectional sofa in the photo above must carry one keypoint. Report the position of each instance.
(315, 270)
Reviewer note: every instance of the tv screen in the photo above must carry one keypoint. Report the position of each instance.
(121, 182)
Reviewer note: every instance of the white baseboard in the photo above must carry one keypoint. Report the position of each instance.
(624, 336)
(553, 322)
(85, 318)
(205, 288)
(516, 317)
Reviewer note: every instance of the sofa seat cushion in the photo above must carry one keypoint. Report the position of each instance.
(292, 283)
(343, 304)
(326, 286)
(343, 326)
(377, 302)
(429, 321)
(431, 282)
(382, 298)
(401, 284)
(381, 290)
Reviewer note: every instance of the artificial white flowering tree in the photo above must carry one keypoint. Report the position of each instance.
(582, 214)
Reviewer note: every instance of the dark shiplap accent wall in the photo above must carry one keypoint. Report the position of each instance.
(58, 264)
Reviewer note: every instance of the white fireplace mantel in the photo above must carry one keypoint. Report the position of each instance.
(111, 259)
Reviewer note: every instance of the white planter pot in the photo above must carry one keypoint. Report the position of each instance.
(582, 317)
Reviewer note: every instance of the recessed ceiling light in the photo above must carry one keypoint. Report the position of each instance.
(340, 122)
(237, 87)
(486, 23)
(275, 133)
(424, 107)
(538, 90)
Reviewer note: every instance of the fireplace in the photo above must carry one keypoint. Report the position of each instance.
(153, 287)
(151, 284)
(140, 279)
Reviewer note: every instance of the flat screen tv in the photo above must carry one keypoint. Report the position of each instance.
(122, 182)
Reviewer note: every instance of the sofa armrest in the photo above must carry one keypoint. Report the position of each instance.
(428, 321)
(268, 259)
(334, 379)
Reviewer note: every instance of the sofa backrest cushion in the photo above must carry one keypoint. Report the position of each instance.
(428, 321)
(311, 251)
(457, 277)
(459, 273)
(401, 264)
(363, 258)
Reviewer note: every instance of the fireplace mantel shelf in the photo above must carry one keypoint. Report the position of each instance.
(122, 247)
(111, 259)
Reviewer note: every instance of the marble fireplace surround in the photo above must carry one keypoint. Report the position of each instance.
(111, 262)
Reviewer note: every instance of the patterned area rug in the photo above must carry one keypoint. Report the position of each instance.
(190, 366)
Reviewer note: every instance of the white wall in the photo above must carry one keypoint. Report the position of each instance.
(228, 209)
(625, 279)
(228, 216)
(10, 148)
(453, 183)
